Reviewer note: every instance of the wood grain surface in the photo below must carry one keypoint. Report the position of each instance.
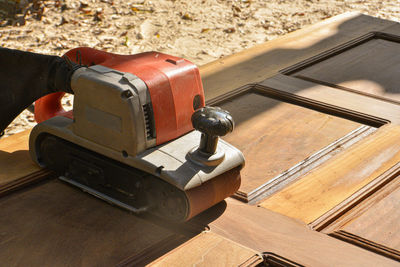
(374, 222)
(263, 61)
(275, 136)
(266, 231)
(209, 249)
(371, 67)
(16, 167)
(358, 107)
(330, 218)
(380, 219)
(15, 161)
(328, 185)
(53, 224)
(367, 244)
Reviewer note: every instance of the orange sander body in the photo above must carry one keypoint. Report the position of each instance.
(130, 137)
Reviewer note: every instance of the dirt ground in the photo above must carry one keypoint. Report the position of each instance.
(198, 30)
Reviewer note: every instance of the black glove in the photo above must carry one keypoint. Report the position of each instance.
(25, 77)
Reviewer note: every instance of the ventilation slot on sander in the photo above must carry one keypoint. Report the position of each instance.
(149, 120)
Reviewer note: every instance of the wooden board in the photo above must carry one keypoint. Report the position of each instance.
(380, 220)
(370, 218)
(280, 140)
(327, 186)
(369, 66)
(210, 249)
(266, 231)
(263, 61)
(16, 167)
(14, 159)
(347, 104)
(54, 224)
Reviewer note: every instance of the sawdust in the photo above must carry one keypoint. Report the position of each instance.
(199, 30)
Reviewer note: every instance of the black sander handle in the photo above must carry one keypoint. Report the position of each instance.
(212, 122)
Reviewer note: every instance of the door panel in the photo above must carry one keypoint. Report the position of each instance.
(325, 187)
(272, 233)
(381, 221)
(361, 78)
(281, 141)
(357, 107)
(371, 217)
(210, 249)
(56, 224)
(369, 65)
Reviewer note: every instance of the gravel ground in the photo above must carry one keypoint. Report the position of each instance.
(198, 30)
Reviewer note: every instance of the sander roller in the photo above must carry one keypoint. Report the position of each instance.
(139, 135)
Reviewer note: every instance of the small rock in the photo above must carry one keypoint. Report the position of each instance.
(229, 30)
(236, 8)
(83, 5)
(63, 21)
(186, 16)
(63, 7)
(98, 16)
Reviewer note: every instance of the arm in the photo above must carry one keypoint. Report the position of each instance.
(25, 77)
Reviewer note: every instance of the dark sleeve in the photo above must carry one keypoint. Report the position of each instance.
(25, 77)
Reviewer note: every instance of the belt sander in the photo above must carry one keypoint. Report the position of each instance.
(130, 138)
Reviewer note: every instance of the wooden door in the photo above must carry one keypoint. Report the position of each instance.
(354, 196)
(318, 122)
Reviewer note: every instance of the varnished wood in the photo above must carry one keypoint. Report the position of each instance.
(209, 249)
(265, 60)
(14, 158)
(263, 230)
(374, 222)
(393, 29)
(16, 168)
(328, 185)
(370, 67)
(275, 136)
(53, 224)
(378, 217)
(367, 244)
(328, 99)
(355, 199)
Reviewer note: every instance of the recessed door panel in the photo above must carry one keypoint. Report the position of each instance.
(280, 141)
(370, 65)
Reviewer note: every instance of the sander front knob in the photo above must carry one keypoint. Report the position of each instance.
(212, 122)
